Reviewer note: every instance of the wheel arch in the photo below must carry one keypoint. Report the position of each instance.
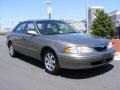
(9, 42)
(45, 49)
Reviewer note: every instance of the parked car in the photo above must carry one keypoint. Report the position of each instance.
(59, 45)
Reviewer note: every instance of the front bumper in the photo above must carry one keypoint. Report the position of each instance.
(96, 59)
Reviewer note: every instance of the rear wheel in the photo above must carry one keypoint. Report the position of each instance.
(12, 52)
(51, 63)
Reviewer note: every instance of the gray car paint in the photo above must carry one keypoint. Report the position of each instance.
(32, 45)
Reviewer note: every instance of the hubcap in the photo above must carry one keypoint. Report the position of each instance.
(11, 50)
(50, 61)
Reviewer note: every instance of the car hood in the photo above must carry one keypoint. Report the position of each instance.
(79, 39)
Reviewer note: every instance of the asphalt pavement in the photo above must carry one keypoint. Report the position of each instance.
(24, 73)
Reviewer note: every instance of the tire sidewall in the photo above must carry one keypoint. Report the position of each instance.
(12, 55)
(56, 70)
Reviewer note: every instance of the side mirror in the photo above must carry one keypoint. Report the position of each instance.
(31, 32)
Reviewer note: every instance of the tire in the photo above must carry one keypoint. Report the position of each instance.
(51, 63)
(12, 51)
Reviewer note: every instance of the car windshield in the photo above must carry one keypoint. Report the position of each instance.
(55, 27)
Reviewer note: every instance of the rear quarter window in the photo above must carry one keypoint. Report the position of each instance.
(20, 28)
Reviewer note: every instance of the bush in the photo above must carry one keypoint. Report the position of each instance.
(103, 25)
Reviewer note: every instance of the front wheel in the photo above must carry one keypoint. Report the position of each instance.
(51, 63)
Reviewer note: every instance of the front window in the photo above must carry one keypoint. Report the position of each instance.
(55, 27)
(31, 27)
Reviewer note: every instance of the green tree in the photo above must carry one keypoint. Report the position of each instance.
(103, 25)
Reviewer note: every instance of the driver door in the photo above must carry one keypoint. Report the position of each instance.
(31, 47)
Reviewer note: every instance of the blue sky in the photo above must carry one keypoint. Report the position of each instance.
(13, 11)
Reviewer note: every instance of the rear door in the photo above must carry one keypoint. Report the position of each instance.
(18, 37)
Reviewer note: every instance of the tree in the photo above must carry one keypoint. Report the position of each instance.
(103, 25)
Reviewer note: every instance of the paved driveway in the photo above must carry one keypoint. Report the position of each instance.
(24, 73)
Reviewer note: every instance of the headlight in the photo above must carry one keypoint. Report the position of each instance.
(84, 49)
(72, 50)
(109, 45)
(77, 50)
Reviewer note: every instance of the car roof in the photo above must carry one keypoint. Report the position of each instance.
(46, 20)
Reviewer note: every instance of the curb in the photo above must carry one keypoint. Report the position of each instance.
(117, 56)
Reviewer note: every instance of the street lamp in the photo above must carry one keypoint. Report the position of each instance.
(49, 8)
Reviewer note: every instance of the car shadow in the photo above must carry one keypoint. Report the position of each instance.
(71, 74)
(86, 73)
(30, 60)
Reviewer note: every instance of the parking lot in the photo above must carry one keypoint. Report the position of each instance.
(24, 73)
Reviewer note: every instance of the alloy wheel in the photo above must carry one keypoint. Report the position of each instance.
(11, 50)
(50, 61)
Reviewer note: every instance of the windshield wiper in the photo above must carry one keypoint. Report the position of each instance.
(74, 32)
(50, 33)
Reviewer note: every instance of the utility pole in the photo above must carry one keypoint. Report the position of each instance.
(0, 27)
(12, 24)
(87, 24)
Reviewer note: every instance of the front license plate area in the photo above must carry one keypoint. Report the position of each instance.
(105, 56)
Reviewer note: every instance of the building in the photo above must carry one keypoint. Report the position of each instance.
(91, 14)
(115, 15)
(79, 25)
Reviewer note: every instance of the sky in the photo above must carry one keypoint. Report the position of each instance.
(14, 11)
